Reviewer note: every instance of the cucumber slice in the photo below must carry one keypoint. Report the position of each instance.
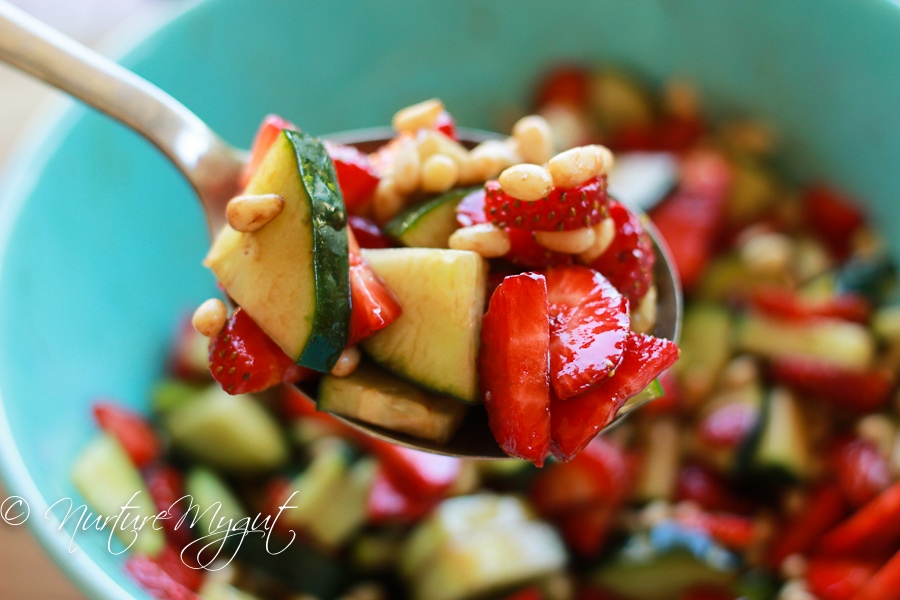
(108, 480)
(434, 343)
(317, 486)
(345, 514)
(219, 590)
(842, 343)
(659, 469)
(292, 276)
(230, 433)
(214, 507)
(172, 393)
(489, 559)
(705, 347)
(428, 224)
(783, 449)
(664, 562)
(375, 396)
(653, 391)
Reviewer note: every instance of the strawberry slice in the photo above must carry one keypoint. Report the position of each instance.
(824, 508)
(389, 503)
(787, 304)
(243, 359)
(356, 175)
(871, 530)
(268, 131)
(884, 584)
(737, 532)
(165, 484)
(629, 259)
(367, 233)
(373, 305)
(513, 366)
(564, 84)
(563, 209)
(862, 471)
(574, 422)
(133, 431)
(702, 486)
(838, 578)
(446, 124)
(832, 216)
(154, 579)
(589, 325)
(860, 391)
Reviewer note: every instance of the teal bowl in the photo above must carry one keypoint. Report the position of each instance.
(101, 239)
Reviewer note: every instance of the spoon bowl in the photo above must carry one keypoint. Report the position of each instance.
(213, 169)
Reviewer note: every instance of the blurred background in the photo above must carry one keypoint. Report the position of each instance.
(25, 572)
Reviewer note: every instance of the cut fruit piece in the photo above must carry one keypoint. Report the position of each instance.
(374, 305)
(375, 396)
(514, 366)
(429, 224)
(108, 480)
(291, 276)
(589, 326)
(434, 343)
(574, 422)
(783, 448)
(629, 259)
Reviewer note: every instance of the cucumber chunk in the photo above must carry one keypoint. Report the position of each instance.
(230, 433)
(345, 514)
(428, 224)
(434, 343)
(317, 485)
(783, 449)
(375, 396)
(108, 480)
(214, 507)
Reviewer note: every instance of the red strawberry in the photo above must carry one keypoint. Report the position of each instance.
(446, 124)
(356, 176)
(420, 474)
(564, 84)
(860, 391)
(132, 430)
(586, 528)
(629, 259)
(562, 210)
(824, 508)
(883, 585)
(589, 325)
(154, 579)
(728, 425)
(243, 359)
(838, 578)
(166, 486)
(265, 136)
(367, 233)
(871, 530)
(574, 422)
(862, 471)
(188, 359)
(389, 503)
(702, 486)
(787, 304)
(832, 216)
(373, 305)
(514, 366)
(737, 532)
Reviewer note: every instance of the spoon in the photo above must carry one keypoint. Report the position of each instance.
(213, 168)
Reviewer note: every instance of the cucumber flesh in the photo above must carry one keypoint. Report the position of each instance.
(108, 480)
(783, 448)
(375, 396)
(317, 486)
(428, 224)
(214, 506)
(653, 391)
(345, 514)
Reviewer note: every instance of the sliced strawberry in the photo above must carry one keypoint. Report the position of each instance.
(832, 216)
(862, 471)
(838, 578)
(389, 503)
(787, 304)
(513, 366)
(178, 568)
(165, 485)
(824, 508)
(704, 487)
(446, 124)
(243, 359)
(268, 131)
(532, 593)
(728, 425)
(574, 422)
(870, 531)
(373, 305)
(690, 219)
(132, 430)
(562, 210)
(356, 175)
(564, 84)
(860, 391)
(600, 474)
(883, 585)
(586, 529)
(737, 532)
(629, 259)
(367, 233)
(589, 325)
(419, 474)
(671, 401)
(154, 579)
(189, 358)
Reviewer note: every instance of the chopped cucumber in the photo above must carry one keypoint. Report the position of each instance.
(705, 347)
(219, 590)
(317, 486)
(783, 449)
(375, 396)
(230, 433)
(434, 343)
(653, 391)
(109, 481)
(738, 458)
(842, 343)
(659, 469)
(345, 514)
(169, 394)
(662, 563)
(428, 224)
(214, 508)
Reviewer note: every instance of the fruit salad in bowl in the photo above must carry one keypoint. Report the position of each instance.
(424, 280)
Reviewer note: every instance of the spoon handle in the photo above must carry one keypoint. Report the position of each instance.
(187, 141)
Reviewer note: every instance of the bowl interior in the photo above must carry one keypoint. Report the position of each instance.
(101, 241)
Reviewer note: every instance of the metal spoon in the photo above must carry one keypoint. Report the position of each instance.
(213, 168)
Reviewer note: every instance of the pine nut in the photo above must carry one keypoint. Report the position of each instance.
(570, 127)
(526, 182)
(534, 140)
(423, 115)
(439, 173)
(406, 168)
(577, 165)
(767, 253)
(486, 239)
(643, 318)
(574, 241)
(252, 212)
(604, 233)
(387, 202)
(430, 142)
(489, 158)
(210, 317)
(347, 362)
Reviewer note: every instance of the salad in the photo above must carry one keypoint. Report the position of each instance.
(770, 468)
